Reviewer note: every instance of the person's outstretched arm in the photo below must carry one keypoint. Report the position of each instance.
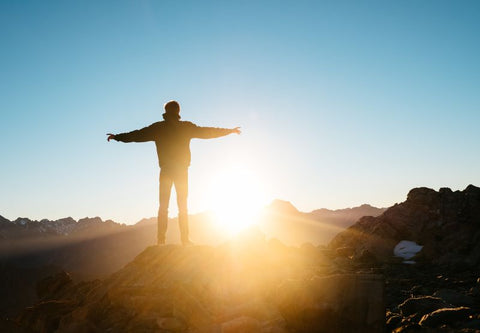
(213, 132)
(142, 135)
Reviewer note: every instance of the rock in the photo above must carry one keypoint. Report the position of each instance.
(447, 316)
(338, 303)
(241, 325)
(233, 287)
(50, 286)
(445, 223)
(421, 305)
(423, 196)
(454, 297)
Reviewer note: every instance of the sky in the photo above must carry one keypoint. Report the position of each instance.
(340, 102)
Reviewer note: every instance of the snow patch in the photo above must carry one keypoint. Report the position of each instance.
(407, 250)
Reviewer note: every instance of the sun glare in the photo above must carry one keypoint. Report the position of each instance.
(236, 198)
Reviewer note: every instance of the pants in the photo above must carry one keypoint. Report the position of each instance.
(179, 178)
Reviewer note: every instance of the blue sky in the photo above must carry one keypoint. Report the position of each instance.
(341, 102)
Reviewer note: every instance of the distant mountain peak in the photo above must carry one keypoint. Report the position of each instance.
(22, 221)
(365, 208)
(283, 207)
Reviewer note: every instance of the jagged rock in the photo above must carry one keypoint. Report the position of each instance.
(445, 223)
(421, 305)
(446, 316)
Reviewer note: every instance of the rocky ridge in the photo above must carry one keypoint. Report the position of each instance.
(445, 223)
(246, 285)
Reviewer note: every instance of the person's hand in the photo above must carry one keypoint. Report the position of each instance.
(236, 130)
(110, 136)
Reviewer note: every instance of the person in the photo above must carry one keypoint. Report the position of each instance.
(172, 140)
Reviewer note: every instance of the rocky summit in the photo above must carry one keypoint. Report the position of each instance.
(445, 223)
(246, 285)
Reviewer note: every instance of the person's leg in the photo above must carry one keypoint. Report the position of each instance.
(164, 198)
(181, 187)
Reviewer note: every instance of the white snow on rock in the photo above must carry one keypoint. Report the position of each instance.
(407, 249)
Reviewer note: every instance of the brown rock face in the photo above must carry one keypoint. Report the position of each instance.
(446, 223)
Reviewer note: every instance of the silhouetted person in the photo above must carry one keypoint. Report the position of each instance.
(172, 139)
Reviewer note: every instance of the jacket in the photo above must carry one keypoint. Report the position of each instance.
(172, 140)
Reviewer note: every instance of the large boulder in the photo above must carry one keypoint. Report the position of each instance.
(445, 223)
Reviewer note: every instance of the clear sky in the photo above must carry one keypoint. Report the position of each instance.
(341, 102)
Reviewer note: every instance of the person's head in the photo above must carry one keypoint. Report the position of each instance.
(172, 111)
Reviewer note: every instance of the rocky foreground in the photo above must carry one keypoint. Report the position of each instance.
(248, 285)
(441, 291)
(253, 285)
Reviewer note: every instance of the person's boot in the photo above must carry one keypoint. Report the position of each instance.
(162, 222)
(183, 225)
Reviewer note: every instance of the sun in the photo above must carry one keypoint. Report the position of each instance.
(236, 198)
